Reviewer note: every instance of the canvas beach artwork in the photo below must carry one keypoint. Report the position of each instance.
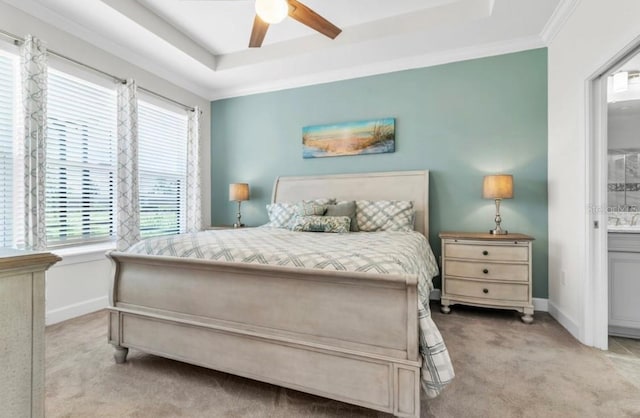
(373, 136)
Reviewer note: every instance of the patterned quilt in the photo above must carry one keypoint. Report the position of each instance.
(374, 252)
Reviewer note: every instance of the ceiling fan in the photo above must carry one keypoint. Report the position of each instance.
(269, 12)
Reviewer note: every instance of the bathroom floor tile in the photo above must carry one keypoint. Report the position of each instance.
(615, 347)
(631, 345)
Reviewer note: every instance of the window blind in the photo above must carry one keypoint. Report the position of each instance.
(163, 170)
(81, 161)
(7, 105)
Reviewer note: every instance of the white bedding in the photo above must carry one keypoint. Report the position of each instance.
(385, 252)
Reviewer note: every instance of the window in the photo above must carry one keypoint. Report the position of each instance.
(81, 161)
(7, 105)
(163, 170)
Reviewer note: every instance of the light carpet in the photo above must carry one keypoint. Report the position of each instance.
(504, 368)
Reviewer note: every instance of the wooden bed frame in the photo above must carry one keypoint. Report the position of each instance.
(348, 336)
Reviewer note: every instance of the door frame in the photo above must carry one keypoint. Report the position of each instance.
(596, 290)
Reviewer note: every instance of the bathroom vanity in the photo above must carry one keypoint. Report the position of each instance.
(624, 281)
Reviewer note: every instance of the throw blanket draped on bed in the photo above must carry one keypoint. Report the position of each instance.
(375, 252)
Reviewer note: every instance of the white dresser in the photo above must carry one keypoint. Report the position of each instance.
(22, 332)
(487, 270)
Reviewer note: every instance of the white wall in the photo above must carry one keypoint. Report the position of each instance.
(79, 283)
(595, 32)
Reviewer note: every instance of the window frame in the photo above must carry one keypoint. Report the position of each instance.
(108, 86)
(164, 108)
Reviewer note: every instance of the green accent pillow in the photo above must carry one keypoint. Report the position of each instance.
(344, 209)
(311, 208)
(336, 224)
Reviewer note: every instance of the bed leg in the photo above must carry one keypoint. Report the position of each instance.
(121, 354)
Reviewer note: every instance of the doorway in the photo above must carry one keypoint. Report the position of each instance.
(613, 167)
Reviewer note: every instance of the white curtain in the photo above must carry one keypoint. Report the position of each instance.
(32, 141)
(194, 195)
(128, 205)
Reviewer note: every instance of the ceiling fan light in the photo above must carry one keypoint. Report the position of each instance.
(272, 11)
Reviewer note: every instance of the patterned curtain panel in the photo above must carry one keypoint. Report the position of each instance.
(128, 204)
(194, 205)
(32, 138)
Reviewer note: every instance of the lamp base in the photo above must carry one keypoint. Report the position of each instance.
(237, 225)
(498, 220)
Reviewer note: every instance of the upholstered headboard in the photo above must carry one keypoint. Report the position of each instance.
(395, 185)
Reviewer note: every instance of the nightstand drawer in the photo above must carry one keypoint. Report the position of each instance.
(487, 252)
(487, 270)
(486, 290)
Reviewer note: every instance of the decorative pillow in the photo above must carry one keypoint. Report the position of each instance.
(323, 201)
(337, 224)
(384, 215)
(281, 214)
(310, 208)
(344, 209)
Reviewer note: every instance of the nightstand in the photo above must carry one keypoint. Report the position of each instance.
(487, 270)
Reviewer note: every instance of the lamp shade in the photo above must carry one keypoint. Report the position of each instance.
(238, 192)
(499, 186)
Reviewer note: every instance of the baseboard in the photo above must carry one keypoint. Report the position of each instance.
(77, 309)
(565, 320)
(626, 332)
(541, 304)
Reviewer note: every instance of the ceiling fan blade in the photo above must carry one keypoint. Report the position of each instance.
(258, 32)
(308, 17)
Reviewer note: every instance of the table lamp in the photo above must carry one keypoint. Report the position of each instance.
(498, 187)
(238, 192)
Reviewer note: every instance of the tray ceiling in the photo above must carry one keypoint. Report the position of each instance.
(202, 45)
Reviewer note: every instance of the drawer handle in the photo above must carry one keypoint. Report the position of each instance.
(485, 271)
(485, 252)
(485, 290)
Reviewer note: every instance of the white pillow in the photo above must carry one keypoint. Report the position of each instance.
(385, 215)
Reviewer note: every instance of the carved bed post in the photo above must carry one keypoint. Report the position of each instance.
(115, 319)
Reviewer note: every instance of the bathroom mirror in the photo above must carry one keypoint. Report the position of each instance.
(624, 180)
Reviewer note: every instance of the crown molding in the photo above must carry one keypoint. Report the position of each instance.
(427, 60)
(557, 20)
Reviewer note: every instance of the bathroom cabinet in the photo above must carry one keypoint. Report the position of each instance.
(624, 284)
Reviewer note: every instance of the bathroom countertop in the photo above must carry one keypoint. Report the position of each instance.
(625, 229)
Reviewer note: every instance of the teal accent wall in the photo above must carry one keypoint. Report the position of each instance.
(460, 121)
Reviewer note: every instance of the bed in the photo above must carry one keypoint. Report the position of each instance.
(355, 335)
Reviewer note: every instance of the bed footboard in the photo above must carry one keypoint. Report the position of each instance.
(346, 336)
